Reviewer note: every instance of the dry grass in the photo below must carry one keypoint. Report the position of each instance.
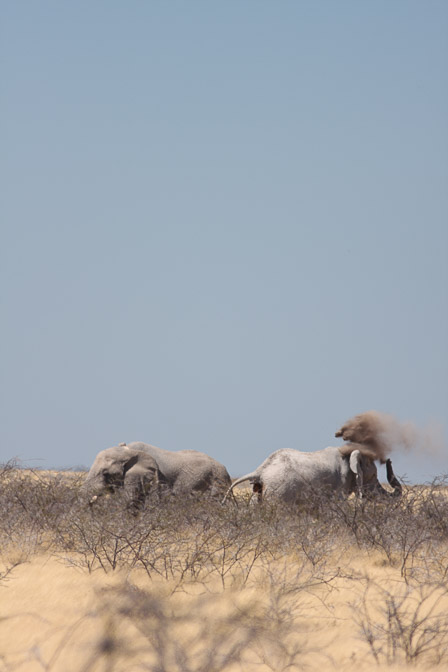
(197, 587)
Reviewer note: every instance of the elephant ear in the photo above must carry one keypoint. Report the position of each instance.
(133, 459)
(140, 466)
(355, 466)
(117, 467)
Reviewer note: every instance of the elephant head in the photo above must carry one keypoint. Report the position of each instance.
(362, 464)
(121, 467)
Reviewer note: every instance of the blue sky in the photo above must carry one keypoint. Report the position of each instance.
(224, 225)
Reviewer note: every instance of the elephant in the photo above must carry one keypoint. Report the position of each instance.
(287, 474)
(187, 472)
(122, 467)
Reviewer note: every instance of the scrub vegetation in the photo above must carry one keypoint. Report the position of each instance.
(189, 585)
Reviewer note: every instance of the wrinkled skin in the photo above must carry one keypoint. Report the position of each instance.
(287, 474)
(122, 467)
(187, 472)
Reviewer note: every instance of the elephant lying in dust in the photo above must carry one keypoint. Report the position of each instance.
(187, 472)
(122, 467)
(288, 473)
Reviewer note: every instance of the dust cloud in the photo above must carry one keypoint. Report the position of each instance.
(382, 433)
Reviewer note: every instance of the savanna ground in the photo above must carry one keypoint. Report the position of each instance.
(193, 586)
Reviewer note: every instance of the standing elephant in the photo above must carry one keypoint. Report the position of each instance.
(187, 471)
(122, 467)
(287, 473)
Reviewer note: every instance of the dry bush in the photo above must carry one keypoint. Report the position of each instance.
(200, 551)
(187, 540)
(33, 504)
(197, 635)
(204, 630)
(404, 624)
(406, 530)
(191, 539)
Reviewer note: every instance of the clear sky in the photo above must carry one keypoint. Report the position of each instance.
(224, 225)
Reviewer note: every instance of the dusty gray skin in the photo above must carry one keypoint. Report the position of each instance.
(287, 474)
(122, 467)
(187, 472)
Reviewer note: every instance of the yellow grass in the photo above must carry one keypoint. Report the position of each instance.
(57, 617)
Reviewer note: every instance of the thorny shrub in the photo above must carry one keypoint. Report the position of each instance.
(287, 550)
(404, 624)
(193, 538)
(152, 629)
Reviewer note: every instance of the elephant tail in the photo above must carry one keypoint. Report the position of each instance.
(247, 477)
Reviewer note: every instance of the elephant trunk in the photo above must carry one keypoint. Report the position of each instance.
(393, 482)
(95, 487)
(392, 479)
(92, 489)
